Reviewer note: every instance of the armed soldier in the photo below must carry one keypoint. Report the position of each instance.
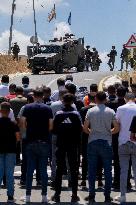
(94, 58)
(124, 57)
(88, 55)
(112, 55)
(98, 63)
(15, 51)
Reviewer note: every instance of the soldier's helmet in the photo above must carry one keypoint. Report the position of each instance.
(94, 49)
(113, 47)
(88, 46)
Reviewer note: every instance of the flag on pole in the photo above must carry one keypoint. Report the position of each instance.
(69, 19)
(52, 14)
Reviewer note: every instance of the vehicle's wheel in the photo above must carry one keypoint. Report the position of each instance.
(81, 66)
(59, 68)
(35, 71)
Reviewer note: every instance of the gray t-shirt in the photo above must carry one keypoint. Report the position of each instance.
(57, 106)
(100, 118)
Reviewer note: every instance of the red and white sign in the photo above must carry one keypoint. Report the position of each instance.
(131, 42)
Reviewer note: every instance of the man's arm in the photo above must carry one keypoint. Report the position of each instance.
(18, 137)
(86, 127)
(23, 122)
(116, 127)
(50, 124)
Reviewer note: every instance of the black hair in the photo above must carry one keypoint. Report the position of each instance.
(12, 87)
(60, 82)
(111, 89)
(69, 77)
(38, 92)
(19, 90)
(121, 91)
(68, 99)
(94, 88)
(5, 79)
(101, 96)
(5, 106)
(25, 80)
(71, 88)
(46, 89)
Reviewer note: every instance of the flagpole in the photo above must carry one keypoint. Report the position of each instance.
(35, 26)
(11, 26)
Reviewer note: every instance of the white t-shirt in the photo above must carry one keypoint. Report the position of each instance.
(11, 115)
(124, 116)
(4, 90)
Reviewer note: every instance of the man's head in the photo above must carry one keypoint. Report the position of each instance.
(111, 90)
(62, 93)
(121, 92)
(5, 79)
(69, 77)
(12, 88)
(94, 49)
(71, 88)
(30, 98)
(93, 89)
(87, 47)
(68, 99)
(25, 80)
(113, 47)
(38, 94)
(60, 82)
(46, 92)
(100, 97)
(5, 109)
(130, 97)
(19, 90)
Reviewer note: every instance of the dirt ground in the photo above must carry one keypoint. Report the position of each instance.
(10, 66)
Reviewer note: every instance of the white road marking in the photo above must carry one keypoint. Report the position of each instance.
(89, 79)
(52, 81)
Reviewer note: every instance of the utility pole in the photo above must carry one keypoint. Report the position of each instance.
(11, 26)
(35, 29)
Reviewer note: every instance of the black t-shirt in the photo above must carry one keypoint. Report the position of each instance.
(67, 127)
(7, 135)
(133, 125)
(37, 117)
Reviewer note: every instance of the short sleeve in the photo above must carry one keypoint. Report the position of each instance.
(133, 125)
(88, 115)
(118, 115)
(11, 115)
(113, 116)
(20, 114)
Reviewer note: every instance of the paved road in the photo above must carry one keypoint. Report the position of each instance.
(65, 196)
(81, 79)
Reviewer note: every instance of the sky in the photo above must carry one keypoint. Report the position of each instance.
(102, 23)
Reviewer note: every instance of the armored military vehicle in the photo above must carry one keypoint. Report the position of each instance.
(59, 54)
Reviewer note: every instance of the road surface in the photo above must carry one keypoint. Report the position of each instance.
(80, 79)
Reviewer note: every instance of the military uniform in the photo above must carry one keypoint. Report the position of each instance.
(94, 58)
(88, 55)
(15, 51)
(124, 58)
(112, 56)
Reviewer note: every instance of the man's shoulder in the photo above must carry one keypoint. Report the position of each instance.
(126, 106)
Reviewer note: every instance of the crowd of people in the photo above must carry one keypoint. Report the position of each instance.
(73, 135)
